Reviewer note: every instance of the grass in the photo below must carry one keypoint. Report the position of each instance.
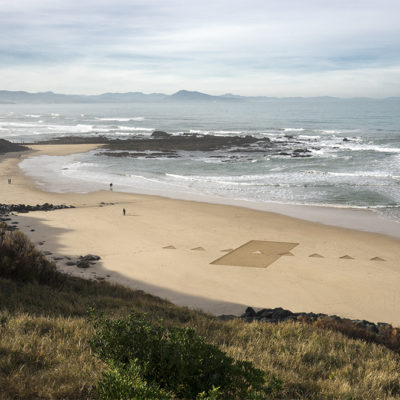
(45, 352)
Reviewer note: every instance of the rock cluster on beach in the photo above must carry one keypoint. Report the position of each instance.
(275, 315)
(87, 261)
(25, 208)
(7, 147)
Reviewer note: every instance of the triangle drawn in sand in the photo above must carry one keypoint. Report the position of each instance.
(198, 249)
(347, 257)
(316, 255)
(287, 254)
(377, 259)
(169, 247)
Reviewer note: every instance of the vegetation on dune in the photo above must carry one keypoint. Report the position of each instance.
(176, 360)
(20, 261)
(51, 349)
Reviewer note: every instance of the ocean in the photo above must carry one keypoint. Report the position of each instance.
(352, 148)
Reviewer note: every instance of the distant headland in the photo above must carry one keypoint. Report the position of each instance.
(20, 97)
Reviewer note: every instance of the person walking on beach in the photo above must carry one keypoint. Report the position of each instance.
(123, 211)
(111, 185)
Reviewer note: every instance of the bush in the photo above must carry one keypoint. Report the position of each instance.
(175, 359)
(19, 260)
(127, 383)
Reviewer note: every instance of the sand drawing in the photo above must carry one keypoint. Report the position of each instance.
(198, 249)
(170, 247)
(347, 257)
(377, 259)
(316, 255)
(226, 250)
(255, 253)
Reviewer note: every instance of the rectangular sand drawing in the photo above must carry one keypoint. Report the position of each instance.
(256, 253)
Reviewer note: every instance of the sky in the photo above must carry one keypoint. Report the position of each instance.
(344, 48)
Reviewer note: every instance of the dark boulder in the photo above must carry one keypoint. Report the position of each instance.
(83, 263)
(249, 312)
(90, 257)
(160, 135)
(280, 314)
(87, 261)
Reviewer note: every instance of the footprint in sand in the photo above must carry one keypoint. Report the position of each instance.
(377, 259)
(316, 255)
(198, 249)
(346, 257)
(169, 247)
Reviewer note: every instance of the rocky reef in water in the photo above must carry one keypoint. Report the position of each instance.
(163, 144)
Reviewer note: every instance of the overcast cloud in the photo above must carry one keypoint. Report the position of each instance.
(271, 47)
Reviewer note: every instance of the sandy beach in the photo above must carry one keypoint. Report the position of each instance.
(219, 258)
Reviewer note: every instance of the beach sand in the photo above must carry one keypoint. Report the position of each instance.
(218, 258)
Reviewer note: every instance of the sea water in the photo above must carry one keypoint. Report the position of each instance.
(354, 150)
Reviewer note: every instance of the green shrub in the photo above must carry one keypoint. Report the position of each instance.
(19, 260)
(175, 359)
(127, 383)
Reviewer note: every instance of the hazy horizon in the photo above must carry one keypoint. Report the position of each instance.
(292, 48)
(194, 92)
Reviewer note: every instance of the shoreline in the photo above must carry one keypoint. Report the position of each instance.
(134, 250)
(363, 219)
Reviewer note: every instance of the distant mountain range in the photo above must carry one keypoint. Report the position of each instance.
(16, 97)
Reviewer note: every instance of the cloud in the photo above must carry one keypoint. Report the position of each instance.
(207, 45)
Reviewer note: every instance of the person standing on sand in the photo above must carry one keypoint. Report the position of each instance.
(111, 186)
(123, 211)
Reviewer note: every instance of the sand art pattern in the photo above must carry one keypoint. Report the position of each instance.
(256, 253)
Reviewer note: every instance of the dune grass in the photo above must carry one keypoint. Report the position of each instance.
(45, 352)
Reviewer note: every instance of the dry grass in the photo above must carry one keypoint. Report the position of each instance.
(313, 363)
(44, 352)
(42, 358)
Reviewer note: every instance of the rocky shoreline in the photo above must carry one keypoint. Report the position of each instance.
(7, 209)
(380, 333)
(275, 315)
(25, 208)
(9, 147)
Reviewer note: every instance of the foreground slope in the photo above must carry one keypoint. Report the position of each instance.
(44, 335)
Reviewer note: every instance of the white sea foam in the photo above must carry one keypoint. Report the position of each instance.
(79, 128)
(330, 131)
(365, 174)
(135, 128)
(122, 119)
(18, 124)
(309, 137)
(228, 132)
(368, 147)
(294, 129)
